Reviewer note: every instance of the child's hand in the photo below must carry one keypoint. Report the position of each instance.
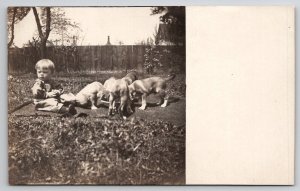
(51, 94)
(57, 92)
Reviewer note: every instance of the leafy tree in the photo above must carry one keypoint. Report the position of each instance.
(54, 20)
(175, 18)
(14, 15)
(61, 27)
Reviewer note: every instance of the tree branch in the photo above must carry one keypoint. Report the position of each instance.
(38, 23)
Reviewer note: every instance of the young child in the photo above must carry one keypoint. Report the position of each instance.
(46, 92)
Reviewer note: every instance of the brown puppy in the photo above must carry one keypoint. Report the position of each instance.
(150, 85)
(118, 88)
(87, 97)
(130, 77)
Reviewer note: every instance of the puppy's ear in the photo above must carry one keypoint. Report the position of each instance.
(100, 95)
(132, 95)
(130, 87)
(69, 98)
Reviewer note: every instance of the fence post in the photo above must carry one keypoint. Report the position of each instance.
(100, 59)
(93, 59)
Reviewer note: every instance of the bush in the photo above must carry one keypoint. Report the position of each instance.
(152, 59)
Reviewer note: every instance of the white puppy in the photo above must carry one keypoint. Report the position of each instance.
(87, 97)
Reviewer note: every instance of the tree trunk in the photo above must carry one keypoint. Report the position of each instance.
(12, 28)
(43, 36)
(43, 49)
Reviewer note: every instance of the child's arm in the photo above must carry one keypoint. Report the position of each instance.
(38, 90)
(57, 89)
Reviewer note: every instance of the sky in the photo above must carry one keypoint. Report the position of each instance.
(129, 25)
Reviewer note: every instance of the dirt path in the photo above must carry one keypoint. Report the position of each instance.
(174, 112)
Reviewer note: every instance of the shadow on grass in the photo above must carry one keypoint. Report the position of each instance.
(155, 104)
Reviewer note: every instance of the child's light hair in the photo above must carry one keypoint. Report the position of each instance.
(46, 64)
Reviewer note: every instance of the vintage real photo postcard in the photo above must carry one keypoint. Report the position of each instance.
(165, 95)
(96, 95)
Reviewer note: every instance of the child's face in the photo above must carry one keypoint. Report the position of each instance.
(44, 74)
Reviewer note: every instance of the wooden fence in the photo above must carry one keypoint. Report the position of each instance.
(90, 58)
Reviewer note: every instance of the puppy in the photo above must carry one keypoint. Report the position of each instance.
(89, 95)
(118, 88)
(130, 77)
(150, 85)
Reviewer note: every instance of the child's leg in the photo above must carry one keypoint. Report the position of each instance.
(50, 104)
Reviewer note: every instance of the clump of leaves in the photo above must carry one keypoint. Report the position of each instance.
(177, 87)
(99, 151)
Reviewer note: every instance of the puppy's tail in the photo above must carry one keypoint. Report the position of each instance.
(170, 77)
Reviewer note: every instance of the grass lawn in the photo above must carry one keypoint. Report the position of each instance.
(148, 148)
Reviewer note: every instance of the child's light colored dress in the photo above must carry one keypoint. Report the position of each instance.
(41, 100)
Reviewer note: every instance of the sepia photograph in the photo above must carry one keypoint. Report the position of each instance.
(96, 95)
